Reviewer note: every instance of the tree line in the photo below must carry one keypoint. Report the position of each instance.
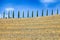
(37, 14)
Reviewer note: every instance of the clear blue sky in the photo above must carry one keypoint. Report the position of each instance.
(30, 5)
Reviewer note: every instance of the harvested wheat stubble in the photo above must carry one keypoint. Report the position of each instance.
(41, 28)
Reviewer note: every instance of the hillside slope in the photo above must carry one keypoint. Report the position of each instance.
(41, 28)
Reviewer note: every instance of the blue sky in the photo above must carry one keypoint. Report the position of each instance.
(29, 5)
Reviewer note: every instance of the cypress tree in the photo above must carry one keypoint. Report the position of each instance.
(18, 14)
(32, 14)
(13, 14)
(23, 14)
(28, 13)
(4, 14)
(47, 13)
(9, 14)
(37, 13)
(57, 11)
(52, 12)
(42, 12)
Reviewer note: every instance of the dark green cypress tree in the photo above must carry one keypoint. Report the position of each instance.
(47, 13)
(57, 11)
(13, 14)
(37, 13)
(18, 14)
(9, 14)
(42, 12)
(23, 14)
(4, 14)
(28, 13)
(52, 12)
(32, 13)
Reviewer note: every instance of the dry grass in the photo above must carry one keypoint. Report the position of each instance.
(41, 28)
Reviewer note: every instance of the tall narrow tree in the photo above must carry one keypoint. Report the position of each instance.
(37, 13)
(28, 13)
(42, 12)
(57, 11)
(52, 12)
(32, 13)
(18, 14)
(13, 14)
(23, 14)
(9, 14)
(47, 13)
(4, 14)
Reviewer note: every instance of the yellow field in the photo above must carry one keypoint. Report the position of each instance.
(41, 28)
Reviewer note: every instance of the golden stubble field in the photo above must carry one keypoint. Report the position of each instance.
(40, 28)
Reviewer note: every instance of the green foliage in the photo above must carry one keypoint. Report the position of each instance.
(32, 13)
(57, 11)
(18, 14)
(13, 14)
(52, 12)
(28, 13)
(4, 14)
(37, 13)
(42, 12)
(47, 13)
(23, 14)
(9, 14)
